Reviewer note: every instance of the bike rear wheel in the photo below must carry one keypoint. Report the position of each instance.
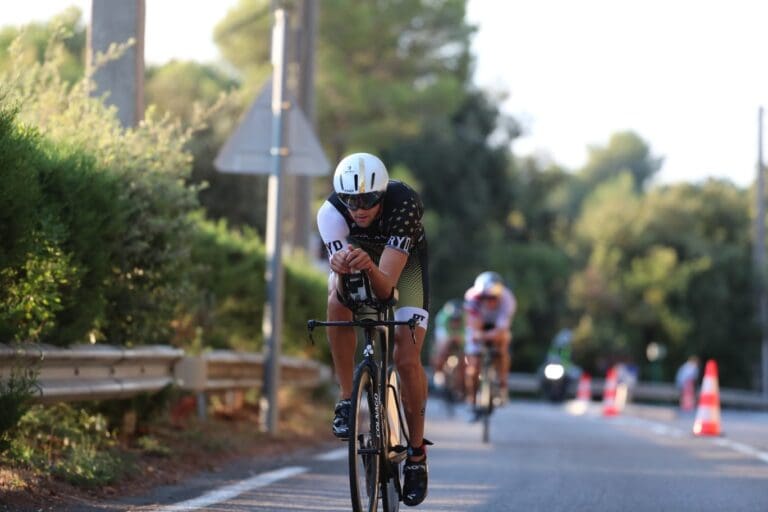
(396, 436)
(364, 443)
(485, 398)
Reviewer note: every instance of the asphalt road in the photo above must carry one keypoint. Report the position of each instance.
(541, 457)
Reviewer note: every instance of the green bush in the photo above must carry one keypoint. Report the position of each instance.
(70, 443)
(230, 268)
(16, 393)
(20, 190)
(57, 229)
(96, 243)
(102, 242)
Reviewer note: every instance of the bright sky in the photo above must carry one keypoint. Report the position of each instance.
(687, 76)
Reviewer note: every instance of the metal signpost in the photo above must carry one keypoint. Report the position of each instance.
(272, 325)
(275, 138)
(759, 255)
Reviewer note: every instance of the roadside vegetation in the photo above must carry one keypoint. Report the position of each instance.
(103, 240)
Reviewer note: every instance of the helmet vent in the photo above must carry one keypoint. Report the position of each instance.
(356, 182)
(373, 180)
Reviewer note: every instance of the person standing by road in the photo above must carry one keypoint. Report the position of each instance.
(686, 376)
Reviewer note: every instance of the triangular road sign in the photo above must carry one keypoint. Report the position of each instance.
(247, 151)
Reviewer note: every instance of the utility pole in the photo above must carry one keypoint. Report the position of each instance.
(117, 21)
(305, 96)
(272, 325)
(263, 144)
(759, 254)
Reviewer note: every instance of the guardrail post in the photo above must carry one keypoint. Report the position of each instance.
(191, 374)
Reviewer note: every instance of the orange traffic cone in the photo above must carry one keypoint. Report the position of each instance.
(584, 391)
(687, 397)
(708, 414)
(610, 407)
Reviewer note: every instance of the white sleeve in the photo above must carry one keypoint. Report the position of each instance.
(506, 309)
(333, 228)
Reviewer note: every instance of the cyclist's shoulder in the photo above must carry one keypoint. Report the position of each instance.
(471, 295)
(332, 202)
(333, 210)
(401, 195)
(332, 216)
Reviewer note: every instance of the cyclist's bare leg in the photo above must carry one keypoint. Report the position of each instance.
(441, 355)
(503, 363)
(343, 343)
(459, 372)
(407, 358)
(472, 377)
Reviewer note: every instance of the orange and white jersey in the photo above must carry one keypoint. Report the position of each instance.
(479, 313)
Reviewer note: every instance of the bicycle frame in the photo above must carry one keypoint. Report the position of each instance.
(488, 386)
(376, 363)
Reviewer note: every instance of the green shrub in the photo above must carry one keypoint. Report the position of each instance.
(20, 190)
(72, 444)
(60, 245)
(152, 446)
(16, 393)
(98, 240)
(231, 271)
(103, 243)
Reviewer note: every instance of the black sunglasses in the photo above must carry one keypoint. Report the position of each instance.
(361, 201)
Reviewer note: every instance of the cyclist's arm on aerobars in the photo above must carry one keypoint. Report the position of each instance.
(503, 321)
(335, 235)
(383, 277)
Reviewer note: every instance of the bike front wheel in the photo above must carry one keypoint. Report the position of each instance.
(485, 399)
(364, 442)
(396, 435)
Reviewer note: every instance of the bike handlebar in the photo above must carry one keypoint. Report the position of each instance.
(365, 322)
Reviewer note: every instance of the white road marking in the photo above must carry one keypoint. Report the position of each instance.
(337, 454)
(665, 430)
(230, 491)
(743, 448)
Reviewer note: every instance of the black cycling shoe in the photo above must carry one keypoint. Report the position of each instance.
(415, 476)
(340, 426)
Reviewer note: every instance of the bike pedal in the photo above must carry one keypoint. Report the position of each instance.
(397, 453)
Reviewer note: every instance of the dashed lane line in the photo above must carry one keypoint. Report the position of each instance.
(669, 431)
(231, 491)
(337, 454)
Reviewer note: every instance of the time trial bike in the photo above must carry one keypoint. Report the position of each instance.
(488, 390)
(378, 434)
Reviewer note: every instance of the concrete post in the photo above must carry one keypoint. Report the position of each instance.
(306, 97)
(117, 21)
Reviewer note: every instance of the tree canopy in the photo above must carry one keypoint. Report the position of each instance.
(603, 249)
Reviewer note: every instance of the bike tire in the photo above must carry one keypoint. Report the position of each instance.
(486, 400)
(449, 394)
(364, 442)
(391, 491)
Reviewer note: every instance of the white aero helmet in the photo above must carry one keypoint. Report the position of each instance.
(360, 180)
(489, 284)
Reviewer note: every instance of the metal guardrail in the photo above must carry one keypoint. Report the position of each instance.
(223, 370)
(98, 372)
(92, 372)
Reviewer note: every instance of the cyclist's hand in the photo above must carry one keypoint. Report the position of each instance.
(339, 262)
(358, 259)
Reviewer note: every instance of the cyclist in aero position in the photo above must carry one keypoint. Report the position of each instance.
(449, 340)
(373, 224)
(490, 307)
